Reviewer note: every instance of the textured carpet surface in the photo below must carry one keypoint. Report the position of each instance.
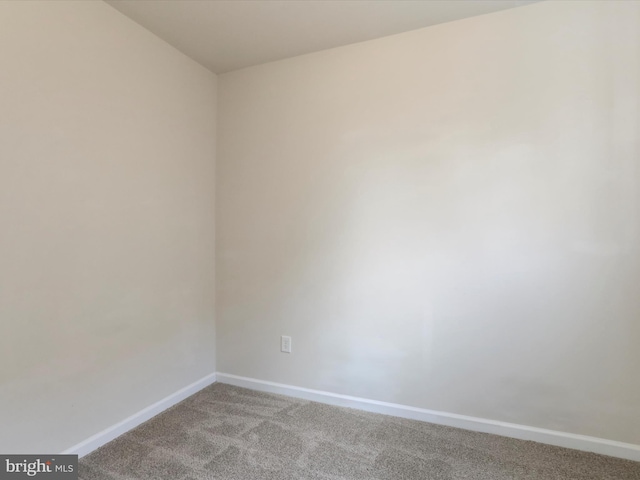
(226, 432)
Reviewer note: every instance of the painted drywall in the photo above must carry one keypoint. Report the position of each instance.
(107, 150)
(447, 219)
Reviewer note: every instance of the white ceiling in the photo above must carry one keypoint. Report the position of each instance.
(225, 35)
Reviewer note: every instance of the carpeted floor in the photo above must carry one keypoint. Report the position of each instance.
(226, 432)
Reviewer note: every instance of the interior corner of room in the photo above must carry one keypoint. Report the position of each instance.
(441, 224)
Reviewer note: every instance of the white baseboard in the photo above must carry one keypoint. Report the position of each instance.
(561, 439)
(90, 444)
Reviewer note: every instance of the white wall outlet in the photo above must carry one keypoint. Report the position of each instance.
(285, 344)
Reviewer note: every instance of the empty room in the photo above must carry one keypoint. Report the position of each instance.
(320, 239)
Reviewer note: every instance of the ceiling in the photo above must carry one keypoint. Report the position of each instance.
(225, 35)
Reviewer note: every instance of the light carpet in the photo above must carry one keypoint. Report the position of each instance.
(231, 433)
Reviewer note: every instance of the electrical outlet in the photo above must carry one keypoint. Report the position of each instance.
(285, 344)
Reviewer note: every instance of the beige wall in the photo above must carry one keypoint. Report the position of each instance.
(447, 218)
(107, 149)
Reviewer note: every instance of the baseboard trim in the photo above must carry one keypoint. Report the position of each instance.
(90, 444)
(561, 439)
